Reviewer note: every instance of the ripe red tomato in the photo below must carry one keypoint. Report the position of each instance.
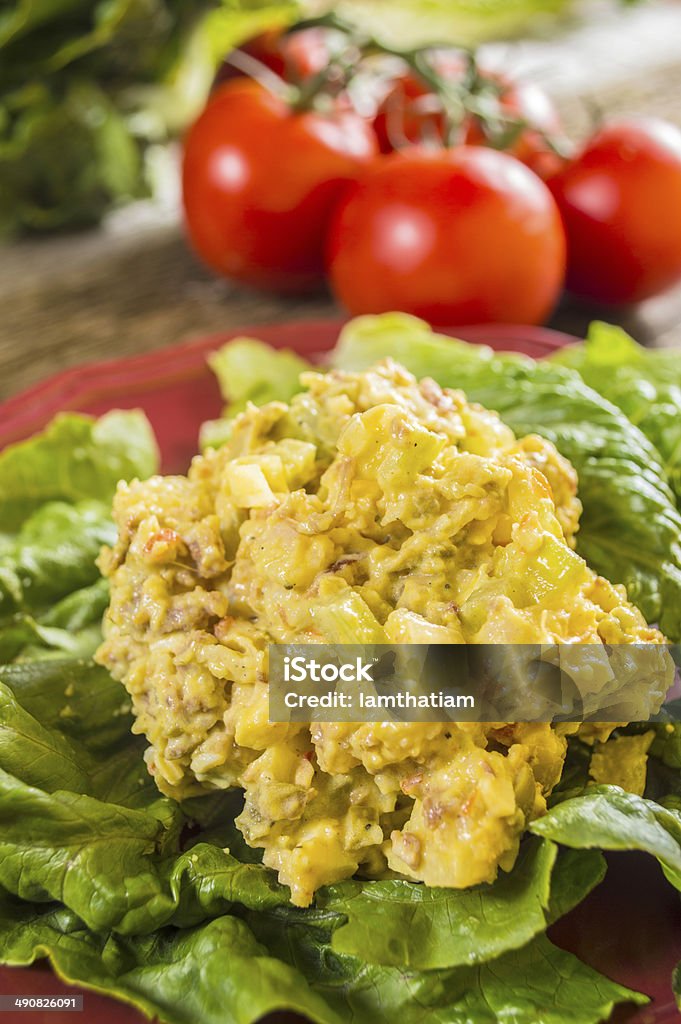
(294, 56)
(621, 206)
(528, 102)
(405, 114)
(467, 235)
(260, 182)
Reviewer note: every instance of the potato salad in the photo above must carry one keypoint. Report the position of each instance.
(371, 508)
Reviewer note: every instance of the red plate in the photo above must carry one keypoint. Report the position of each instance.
(629, 928)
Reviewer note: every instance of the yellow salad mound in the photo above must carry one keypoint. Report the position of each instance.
(373, 508)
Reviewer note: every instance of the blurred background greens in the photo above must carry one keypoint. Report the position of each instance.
(89, 90)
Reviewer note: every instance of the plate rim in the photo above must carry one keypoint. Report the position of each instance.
(24, 413)
(100, 380)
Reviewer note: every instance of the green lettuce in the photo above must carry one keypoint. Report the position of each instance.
(645, 384)
(76, 458)
(215, 973)
(83, 89)
(538, 984)
(221, 973)
(96, 875)
(250, 371)
(161, 905)
(395, 923)
(608, 818)
(67, 155)
(86, 826)
(55, 515)
(631, 528)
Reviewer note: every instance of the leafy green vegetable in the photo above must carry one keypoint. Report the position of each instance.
(645, 384)
(250, 371)
(607, 818)
(399, 924)
(78, 699)
(66, 157)
(220, 974)
(217, 973)
(73, 78)
(39, 755)
(55, 495)
(80, 820)
(538, 984)
(98, 873)
(78, 824)
(631, 528)
(53, 555)
(113, 857)
(409, 23)
(74, 459)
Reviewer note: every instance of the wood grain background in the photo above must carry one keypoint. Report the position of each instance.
(133, 286)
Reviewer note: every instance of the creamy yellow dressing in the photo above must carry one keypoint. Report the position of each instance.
(373, 508)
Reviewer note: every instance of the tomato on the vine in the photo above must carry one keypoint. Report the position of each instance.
(410, 113)
(261, 180)
(294, 56)
(528, 102)
(621, 205)
(467, 235)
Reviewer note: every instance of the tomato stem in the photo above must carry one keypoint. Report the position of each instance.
(475, 95)
(253, 68)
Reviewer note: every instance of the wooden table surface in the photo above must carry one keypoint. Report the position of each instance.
(133, 286)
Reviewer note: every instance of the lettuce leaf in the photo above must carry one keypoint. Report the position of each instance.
(221, 973)
(99, 161)
(80, 819)
(98, 872)
(83, 91)
(218, 973)
(538, 984)
(631, 528)
(93, 874)
(55, 502)
(53, 555)
(645, 384)
(399, 924)
(250, 371)
(608, 818)
(74, 459)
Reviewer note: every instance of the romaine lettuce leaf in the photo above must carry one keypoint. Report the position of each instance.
(75, 458)
(80, 819)
(250, 371)
(631, 529)
(608, 818)
(216, 974)
(645, 384)
(538, 984)
(220, 973)
(53, 555)
(97, 873)
(119, 865)
(399, 924)
(99, 160)
(55, 501)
